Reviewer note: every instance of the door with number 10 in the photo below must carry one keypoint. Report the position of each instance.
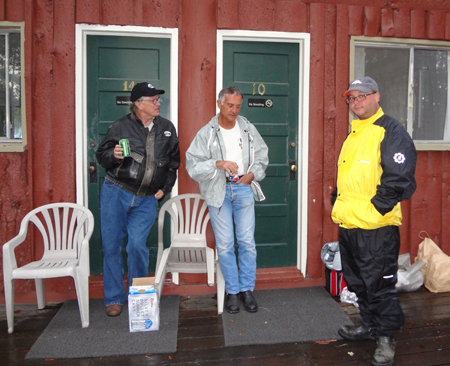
(267, 73)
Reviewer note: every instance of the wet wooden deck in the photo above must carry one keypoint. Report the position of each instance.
(424, 341)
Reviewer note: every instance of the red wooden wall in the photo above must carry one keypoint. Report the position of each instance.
(45, 172)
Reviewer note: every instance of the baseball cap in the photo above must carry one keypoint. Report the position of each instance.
(365, 85)
(144, 90)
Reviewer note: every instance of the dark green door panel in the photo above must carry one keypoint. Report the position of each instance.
(268, 73)
(114, 66)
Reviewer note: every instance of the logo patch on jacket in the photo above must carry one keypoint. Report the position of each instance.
(399, 158)
(167, 133)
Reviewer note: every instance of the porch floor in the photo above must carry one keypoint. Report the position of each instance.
(425, 339)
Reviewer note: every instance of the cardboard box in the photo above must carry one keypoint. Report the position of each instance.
(143, 305)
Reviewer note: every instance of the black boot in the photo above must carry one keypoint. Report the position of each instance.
(232, 304)
(249, 301)
(355, 332)
(385, 352)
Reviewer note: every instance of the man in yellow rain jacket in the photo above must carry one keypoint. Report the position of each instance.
(375, 172)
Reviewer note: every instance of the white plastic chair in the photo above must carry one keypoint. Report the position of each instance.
(188, 251)
(66, 229)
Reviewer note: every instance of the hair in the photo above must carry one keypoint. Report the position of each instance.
(229, 90)
(133, 107)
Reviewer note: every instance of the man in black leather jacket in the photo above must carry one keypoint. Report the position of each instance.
(133, 185)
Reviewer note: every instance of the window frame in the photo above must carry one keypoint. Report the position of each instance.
(8, 144)
(403, 43)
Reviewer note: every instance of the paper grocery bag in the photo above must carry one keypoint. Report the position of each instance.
(436, 272)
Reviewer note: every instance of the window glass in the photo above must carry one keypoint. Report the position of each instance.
(413, 79)
(430, 94)
(389, 68)
(13, 134)
(15, 85)
(2, 87)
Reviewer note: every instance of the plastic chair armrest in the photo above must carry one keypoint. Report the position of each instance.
(9, 257)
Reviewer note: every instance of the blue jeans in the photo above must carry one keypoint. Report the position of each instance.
(122, 213)
(240, 206)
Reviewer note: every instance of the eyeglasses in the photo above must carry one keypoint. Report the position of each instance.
(154, 101)
(358, 98)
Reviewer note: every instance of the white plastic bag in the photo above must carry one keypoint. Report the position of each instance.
(409, 277)
(349, 297)
(331, 256)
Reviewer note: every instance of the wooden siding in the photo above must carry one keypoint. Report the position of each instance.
(45, 172)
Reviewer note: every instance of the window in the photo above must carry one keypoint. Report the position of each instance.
(413, 77)
(12, 111)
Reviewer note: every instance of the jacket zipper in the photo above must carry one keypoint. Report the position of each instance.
(250, 147)
(220, 146)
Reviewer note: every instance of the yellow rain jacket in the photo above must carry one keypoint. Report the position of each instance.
(376, 169)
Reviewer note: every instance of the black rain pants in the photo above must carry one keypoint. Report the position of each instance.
(369, 264)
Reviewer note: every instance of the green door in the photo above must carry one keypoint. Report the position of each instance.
(114, 66)
(267, 73)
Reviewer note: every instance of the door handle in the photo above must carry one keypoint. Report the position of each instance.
(292, 169)
(92, 172)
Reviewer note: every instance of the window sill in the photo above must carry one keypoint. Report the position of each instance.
(12, 146)
(432, 146)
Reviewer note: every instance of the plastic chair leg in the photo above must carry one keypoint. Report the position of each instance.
(161, 272)
(40, 292)
(220, 289)
(160, 285)
(210, 266)
(82, 289)
(175, 278)
(9, 302)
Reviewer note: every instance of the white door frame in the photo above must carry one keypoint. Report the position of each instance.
(81, 33)
(303, 40)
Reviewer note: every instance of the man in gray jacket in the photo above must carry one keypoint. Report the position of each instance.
(228, 157)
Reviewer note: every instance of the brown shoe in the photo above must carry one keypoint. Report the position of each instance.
(114, 310)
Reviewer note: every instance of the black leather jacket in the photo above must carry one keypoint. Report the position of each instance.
(154, 160)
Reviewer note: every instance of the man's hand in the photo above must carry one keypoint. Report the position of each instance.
(159, 195)
(246, 179)
(118, 152)
(229, 166)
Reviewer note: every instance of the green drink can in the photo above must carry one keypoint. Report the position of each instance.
(125, 145)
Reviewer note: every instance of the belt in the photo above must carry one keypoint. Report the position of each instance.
(230, 180)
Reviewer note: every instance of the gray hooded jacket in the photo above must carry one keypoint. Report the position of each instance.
(208, 147)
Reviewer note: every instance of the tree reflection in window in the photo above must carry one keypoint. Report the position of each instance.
(10, 85)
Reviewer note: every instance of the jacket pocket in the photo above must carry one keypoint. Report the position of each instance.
(159, 177)
(137, 157)
(162, 161)
(129, 168)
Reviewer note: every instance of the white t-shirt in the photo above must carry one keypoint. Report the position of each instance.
(233, 146)
(150, 126)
